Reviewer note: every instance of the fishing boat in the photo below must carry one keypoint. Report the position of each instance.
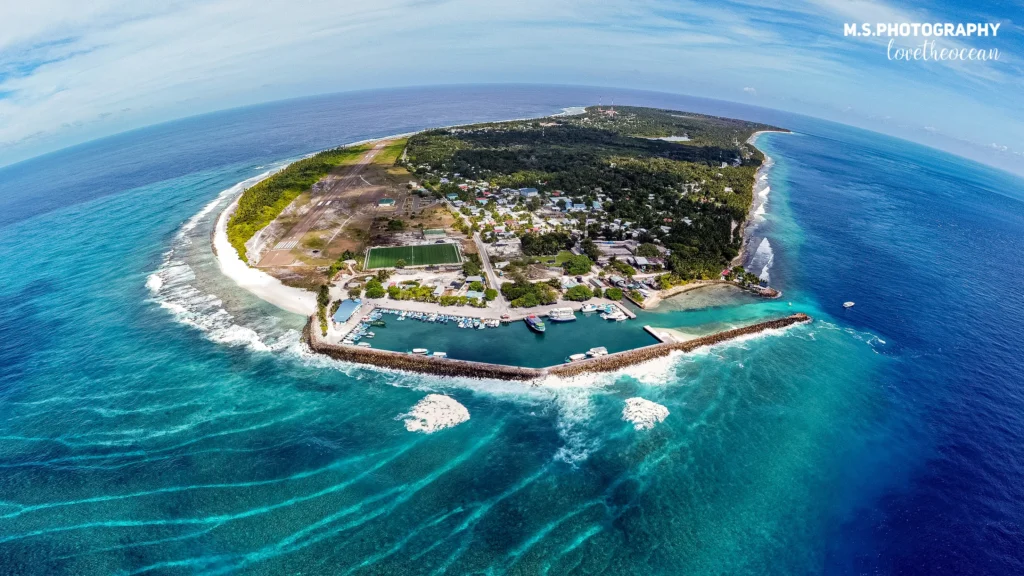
(589, 308)
(378, 323)
(364, 344)
(576, 357)
(597, 351)
(535, 323)
(421, 351)
(561, 315)
(440, 354)
(847, 304)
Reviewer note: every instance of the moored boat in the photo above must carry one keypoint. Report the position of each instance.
(576, 357)
(597, 351)
(419, 350)
(440, 354)
(535, 323)
(561, 315)
(589, 308)
(615, 316)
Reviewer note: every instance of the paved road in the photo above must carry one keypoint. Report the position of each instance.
(492, 277)
(331, 199)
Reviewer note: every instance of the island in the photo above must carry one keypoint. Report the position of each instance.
(602, 212)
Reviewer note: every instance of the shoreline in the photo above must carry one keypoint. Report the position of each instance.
(263, 285)
(256, 282)
(449, 367)
(763, 170)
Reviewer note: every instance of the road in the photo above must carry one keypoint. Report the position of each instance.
(492, 277)
(281, 253)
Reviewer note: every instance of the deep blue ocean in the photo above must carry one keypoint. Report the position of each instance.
(156, 419)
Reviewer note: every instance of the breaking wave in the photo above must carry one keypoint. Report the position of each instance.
(174, 287)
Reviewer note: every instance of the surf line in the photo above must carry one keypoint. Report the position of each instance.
(450, 367)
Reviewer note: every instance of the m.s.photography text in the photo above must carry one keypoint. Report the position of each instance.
(929, 50)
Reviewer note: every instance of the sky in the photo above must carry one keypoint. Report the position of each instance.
(73, 71)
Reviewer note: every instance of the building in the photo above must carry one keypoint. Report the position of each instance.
(528, 192)
(345, 310)
(471, 279)
(474, 294)
(386, 202)
(452, 196)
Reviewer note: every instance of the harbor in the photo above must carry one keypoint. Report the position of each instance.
(509, 342)
(453, 367)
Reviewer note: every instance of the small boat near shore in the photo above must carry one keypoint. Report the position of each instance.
(420, 351)
(848, 304)
(588, 308)
(614, 316)
(576, 358)
(440, 355)
(597, 351)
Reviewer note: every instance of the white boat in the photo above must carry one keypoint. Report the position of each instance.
(847, 304)
(440, 354)
(364, 344)
(576, 357)
(589, 308)
(616, 316)
(419, 350)
(597, 351)
(561, 315)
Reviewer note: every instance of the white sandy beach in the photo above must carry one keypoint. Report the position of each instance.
(257, 282)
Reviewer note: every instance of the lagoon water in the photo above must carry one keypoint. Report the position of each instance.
(155, 419)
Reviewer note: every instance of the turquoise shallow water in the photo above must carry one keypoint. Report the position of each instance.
(515, 343)
(155, 419)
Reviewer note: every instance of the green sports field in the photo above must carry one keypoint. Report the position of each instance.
(424, 255)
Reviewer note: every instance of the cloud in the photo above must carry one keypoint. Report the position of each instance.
(72, 71)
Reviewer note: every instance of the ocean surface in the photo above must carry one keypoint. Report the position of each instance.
(155, 419)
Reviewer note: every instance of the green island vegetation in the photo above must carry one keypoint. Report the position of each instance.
(577, 265)
(472, 265)
(339, 264)
(613, 294)
(684, 200)
(265, 200)
(323, 298)
(521, 293)
(579, 293)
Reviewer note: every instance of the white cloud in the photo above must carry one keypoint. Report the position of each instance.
(71, 71)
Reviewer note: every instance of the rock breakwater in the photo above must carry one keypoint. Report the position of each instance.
(464, 368)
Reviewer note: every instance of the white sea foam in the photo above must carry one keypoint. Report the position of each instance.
(575, 412)
(173, 285)
(434, 412)
(763, 258)
(644, 414)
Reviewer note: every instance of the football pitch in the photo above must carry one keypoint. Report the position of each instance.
(425, 255)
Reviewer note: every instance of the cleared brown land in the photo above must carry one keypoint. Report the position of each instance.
(344, 215)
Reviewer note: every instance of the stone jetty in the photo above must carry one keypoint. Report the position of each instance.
(464, 368)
